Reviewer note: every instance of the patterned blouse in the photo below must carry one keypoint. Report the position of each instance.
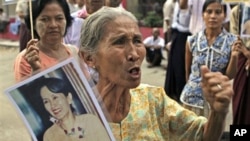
(216, 57)
(153, 116)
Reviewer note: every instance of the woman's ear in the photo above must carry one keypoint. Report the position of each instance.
(87, 58)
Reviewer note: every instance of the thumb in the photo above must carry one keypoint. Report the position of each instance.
(204, 70)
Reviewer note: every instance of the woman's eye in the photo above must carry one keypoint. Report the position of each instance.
(137, 41)
(119, 42)
(44, 19)
(45, 101)
(209, 11)
(60, 18)
(55, 97)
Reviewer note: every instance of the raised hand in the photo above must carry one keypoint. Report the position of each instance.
(32, 55)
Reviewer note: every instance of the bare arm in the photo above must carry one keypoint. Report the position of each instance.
(188, 61)
(219, 98)
(232, 65)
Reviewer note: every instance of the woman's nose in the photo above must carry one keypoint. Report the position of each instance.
(133, 53)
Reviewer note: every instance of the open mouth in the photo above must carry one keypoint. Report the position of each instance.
(134, 71)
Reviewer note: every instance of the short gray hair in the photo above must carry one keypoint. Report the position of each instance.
(94, 27)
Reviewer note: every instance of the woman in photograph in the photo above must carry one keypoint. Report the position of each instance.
(58, 101)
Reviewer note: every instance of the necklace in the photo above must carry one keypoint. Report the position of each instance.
(75, 131)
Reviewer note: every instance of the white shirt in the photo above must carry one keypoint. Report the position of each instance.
(181, 18)
(151, 42)
(168, 10)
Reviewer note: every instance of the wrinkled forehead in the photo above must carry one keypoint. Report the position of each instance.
(122, 23)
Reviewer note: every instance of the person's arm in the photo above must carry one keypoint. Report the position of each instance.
(218, 92)
(232, 65)
(168, 12)
(188, 61)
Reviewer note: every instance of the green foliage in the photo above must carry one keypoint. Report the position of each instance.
(153, 19)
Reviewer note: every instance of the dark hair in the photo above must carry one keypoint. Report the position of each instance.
(38, 6)
(208, 2)
(55, 85)
(1, 9)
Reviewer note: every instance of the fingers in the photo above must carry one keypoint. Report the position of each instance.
(32, 54)
(32, 42)
(217, 89)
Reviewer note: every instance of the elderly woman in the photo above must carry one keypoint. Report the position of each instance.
(111, 43)
(51, 20)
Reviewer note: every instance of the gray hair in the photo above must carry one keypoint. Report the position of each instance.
(94, 26)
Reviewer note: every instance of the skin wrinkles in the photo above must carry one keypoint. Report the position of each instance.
(51, 23)
(125, 43)
(214, 16)
(56, 104)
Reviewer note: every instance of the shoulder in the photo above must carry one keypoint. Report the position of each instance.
(20, 60)
(87, 116)
(50, 132)
(230, 36)
(72, 48)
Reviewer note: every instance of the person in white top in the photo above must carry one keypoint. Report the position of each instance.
(154, 45)
(168, 10)
(175, 76)
(3, 20)
(196, 21)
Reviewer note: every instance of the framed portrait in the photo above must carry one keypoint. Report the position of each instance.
(51, 99)
(245, 22)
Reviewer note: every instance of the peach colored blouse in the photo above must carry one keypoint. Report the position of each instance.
(22, 69)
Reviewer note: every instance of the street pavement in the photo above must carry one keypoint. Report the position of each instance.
(12, 128)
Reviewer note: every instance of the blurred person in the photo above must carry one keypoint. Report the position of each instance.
(4, 20)
(24, 32)
(113, 3)
(213, 47)
(73, 7)
(57, 99)
(90, 6)
(154, 45)
(168, 10)
(175, 75)
(80, 4)
(241, 84)
(51, 20)
(113, 46)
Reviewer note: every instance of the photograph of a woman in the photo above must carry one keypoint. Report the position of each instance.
(246, 22)
(57, 100)
(56, 106)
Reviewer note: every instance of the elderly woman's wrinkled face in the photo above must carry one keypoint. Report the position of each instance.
(121, 52)
(51, 23)
(214, 15)
(57, 104)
